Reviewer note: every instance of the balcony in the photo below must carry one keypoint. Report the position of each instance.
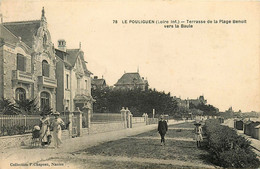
(82, 92)
(47, 82)
(22, 76)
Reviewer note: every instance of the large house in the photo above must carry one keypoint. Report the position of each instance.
(199, 100)
(130, 81)
(28, 62)
(74, 81)
(30, 67)
(186, 103)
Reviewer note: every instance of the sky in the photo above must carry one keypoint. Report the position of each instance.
(220, 61)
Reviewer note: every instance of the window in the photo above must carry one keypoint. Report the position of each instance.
(45, 99)
(45, 68)
(20, 94)
(21, 62)
(67, 81)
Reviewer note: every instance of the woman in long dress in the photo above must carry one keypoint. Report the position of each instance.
(57, 129)
(45, 130)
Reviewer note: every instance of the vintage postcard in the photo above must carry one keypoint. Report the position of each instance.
(129, 84)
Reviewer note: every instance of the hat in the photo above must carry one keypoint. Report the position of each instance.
(197, 123)
(56, 113)
(36, 128)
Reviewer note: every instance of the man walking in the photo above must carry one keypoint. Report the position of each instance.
(162, 129)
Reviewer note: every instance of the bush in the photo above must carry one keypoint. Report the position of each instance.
(227, 149)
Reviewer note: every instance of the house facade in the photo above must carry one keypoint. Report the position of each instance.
(28, 62)
(74, 81)
(30, 67)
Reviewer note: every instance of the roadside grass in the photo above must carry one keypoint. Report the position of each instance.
(108, 164)
(171, 133)
(145, 146)
(183, 125)
(148, 148)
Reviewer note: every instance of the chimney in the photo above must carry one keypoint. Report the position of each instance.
(95, 77)
(62, 45)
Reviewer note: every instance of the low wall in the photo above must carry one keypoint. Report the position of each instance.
(23, 140)
(138, 124)
(103, 127)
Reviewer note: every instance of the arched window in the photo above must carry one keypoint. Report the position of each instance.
(45, 99)
(20, 94)
(21, 62)
(45, 68)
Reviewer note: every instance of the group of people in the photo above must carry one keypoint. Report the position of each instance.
(163, 128)
(45, 134)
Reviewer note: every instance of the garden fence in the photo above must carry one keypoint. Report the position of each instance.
(20, 124)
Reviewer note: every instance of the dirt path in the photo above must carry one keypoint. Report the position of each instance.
(170, 138)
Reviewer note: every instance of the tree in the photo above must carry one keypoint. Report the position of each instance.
(27, 106)
(137, 100)
(7, 107)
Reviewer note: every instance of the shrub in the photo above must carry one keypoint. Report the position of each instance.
(227, 148)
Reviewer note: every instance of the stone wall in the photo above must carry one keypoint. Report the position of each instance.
(23, 140)
(105, 127)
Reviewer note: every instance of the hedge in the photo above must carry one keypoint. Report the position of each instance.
(227, 148)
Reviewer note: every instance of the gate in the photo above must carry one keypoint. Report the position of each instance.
(74, 126)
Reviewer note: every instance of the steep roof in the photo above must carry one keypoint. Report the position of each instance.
(61, 55)
(73, 55)
(98, 82)
(7, 35)
(130, 78)
(24, 29)
(72, 58)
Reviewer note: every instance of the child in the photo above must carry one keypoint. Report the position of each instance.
(198, 134)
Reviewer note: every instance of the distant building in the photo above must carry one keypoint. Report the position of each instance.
(186, 103)
(199, 100)
(130, 81)
(97, 83)
(182, 103)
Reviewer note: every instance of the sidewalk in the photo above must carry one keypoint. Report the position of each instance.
(254, 142)
(25, 155)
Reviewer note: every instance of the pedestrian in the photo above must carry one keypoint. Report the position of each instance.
(162, 129)
(198, 133)
(57, 123)
(45, 128)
